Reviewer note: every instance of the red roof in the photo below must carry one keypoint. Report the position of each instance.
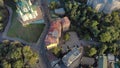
(55, 26)
(55, 30)
(50, 39)
(54, 33)
(65, 21)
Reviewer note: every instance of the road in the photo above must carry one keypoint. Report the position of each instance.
(44, 63)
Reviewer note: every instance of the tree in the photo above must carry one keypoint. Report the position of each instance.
(33, 59)
(67, 37)
(27, 52)
(92, 52)
(6, 42)
(100, 26)
(87, 37)
(103, 49)
(15, 55)
(56, 51)
(114, 48)
(113, 32)
(53, 5)
(105, 37)
(18, 64)
(5, 64)
(94, 24)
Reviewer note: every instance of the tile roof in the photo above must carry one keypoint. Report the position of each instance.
(50, 39)
(55, 30)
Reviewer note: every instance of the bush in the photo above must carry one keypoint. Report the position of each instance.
(92, 52)
(66, 37)
(53, 5)
(56, 51)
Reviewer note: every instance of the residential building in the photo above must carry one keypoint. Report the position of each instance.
(28, 12)
(72, 59)
(102, 62)
(87, 61)
(54, 33)
(107, 6)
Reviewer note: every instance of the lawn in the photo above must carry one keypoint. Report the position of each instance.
(29, 33)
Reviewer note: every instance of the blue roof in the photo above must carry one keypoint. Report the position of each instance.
(116, 65)
(20, 4)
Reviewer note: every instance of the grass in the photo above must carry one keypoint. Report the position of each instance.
(29, 33)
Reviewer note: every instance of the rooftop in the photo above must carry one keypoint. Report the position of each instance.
(102, 62)
(72, 56)
(55, 31)
(84, 61)
(39, 17)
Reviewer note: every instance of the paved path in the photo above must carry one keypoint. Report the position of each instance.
(9, 21)
(4, 34)
(41, 45)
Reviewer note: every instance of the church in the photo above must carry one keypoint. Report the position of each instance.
(29, 12)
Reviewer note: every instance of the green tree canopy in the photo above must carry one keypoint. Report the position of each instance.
(105, 37)
(15, 55)
(92, 51)
(66, 36)
(103, 48)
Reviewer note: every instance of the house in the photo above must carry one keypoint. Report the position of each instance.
(55, 30)
(54, 33)
(60, 11)
(102, 62)
(87, 61)
(72, 58)
(107, 6)
(28, 12)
